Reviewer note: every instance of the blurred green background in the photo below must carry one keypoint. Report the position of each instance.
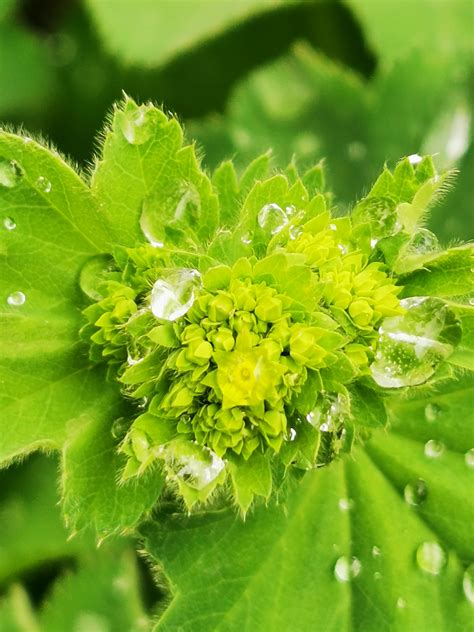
(356, 82)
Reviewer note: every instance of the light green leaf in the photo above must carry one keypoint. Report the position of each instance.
(250, 478)
(31, 527)
(463, 355)
(104, 594)
(342, 552)
(447, 23)
(50, 228)
(162, 30)
(449, 274)
(150, 185)
(16, 611)
(92, 493)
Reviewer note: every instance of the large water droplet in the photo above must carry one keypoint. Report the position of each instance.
(347, 569)
(200, 472)
(434, 449)
(16, 298)
(432, 412)
(93, 274)
(136, 123)
(9, 223)
(410, 347)
(43, 184)
(174, 293)
(272, 218)
(415, 492)
(468, 583)
(469, 458)
(423, 242)
(431, 557)
(10, 173)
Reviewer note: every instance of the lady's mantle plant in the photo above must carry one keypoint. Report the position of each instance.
(248, 332)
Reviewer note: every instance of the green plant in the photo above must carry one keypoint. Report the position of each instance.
(222, 339)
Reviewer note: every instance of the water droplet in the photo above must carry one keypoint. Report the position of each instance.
(431, 558)
(16, 298)
(292, 434)
(410, 347)
(93, 274)
(356, 150)
(295, 232)
(136, 123)
(347, 569)
(9, 223)
(43, 184)
(414, 159)
(329, 414)
(272, 218)
(468, 583)
(290, 210)
(174, 293)
(10, 173)
(345, 504)
(434, 449)
(373, 243)
(246, 239)
(423, 242)
(401, 603)
(432, 412)
(469, 458)
(377, 575)
(193, 465)
(415, 492)
(120, 428)
(376, 552)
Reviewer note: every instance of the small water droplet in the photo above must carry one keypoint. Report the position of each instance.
(290, 210)
(434, 449)
(373, 243)
(246, 239)
(93, 274)
(136, 123)
(377, 575)
(414, 159)
(376, 552)
(345, 504)
(295, 232)
(43, 184)
(174, 293)
(292, 434)
(432, 412)
(10, 173)
(471, 301)
(415, 492)
(469, 458)
(16, 298)
(431, 557)
(401, 603)
(347, 569)
(272, 218)
(120, 427)
(9, 223)
(468, 583)
(411, 346)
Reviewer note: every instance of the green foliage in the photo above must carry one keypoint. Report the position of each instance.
(237, 335)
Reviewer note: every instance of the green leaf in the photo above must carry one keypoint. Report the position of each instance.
(31, 528)
(367, 407)
(262, 574)
(104, 594)
(50, 229)
(150, 184)
(16, 612)
(250, 478)
(463, 355)
(448, 274)
(92, 494)
(162, 30)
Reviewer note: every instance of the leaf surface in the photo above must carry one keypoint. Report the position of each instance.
(282, 568)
